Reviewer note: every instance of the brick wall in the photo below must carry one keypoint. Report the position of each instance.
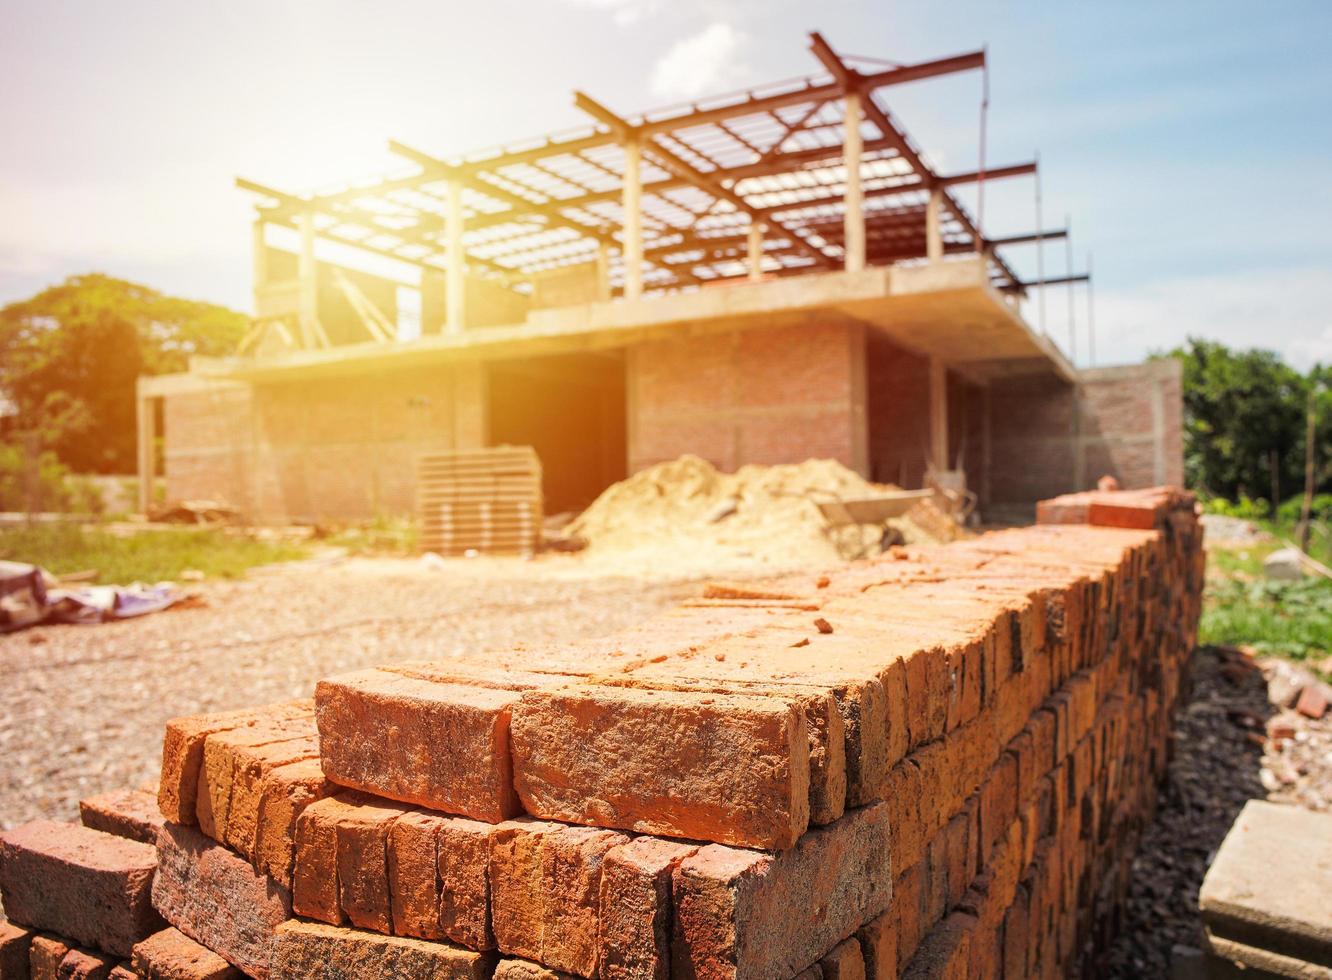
(898, 399)
(1049, 437)
(775, 395)
(329, 448)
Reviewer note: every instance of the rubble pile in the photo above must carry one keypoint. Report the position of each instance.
(933, 764)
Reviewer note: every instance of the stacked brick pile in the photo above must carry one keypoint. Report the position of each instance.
(931, 765)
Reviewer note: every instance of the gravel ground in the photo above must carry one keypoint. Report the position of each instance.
(1217, 765)
(82, 707)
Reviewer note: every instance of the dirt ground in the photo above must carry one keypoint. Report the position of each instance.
(82, 707)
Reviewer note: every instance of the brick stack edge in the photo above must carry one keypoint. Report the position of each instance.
(934, 764)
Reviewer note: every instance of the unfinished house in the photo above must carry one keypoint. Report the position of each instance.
(759, 278)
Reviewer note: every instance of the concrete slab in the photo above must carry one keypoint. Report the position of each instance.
(1268, 889)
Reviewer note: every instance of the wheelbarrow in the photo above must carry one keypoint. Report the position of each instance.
(854, 512)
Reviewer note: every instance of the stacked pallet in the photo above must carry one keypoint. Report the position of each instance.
(932, 765)
(484, 501)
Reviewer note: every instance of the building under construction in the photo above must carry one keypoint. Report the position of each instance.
(759, 278)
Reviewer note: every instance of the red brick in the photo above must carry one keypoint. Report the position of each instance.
(84, 964)
(313, 950)
(183, 752)
(844, 962)
(172, 955)
(545, 884)
(314, 880)
(878, 946)
(14, 945)
(634, 926)
(734, 915)
(380, 732)
(511, 969)
(363, 878)
(45, 954)
(726, 768)
(233, 767)
(92, 887)
(284, 794)
(130, 813)
(217, 899)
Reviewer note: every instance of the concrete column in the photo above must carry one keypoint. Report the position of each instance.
(933, 232)
(938, 414)
(455, 290)
(260, 257)
(854, 229)
(755, 255)
(633, 220)
(146, 424)
(308, 273)
(603, 273)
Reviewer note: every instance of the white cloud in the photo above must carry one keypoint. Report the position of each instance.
(1285, 310)
(707, 61)
(623, 12)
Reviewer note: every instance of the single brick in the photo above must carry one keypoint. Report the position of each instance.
(216, 898)
(130, 813)
(726, 768)
(413, 874)
(284, 795)
(86, 964)
(45, 955)
(844, 962)
(545, 882)
(316, 951)
(15, 942)
(363, 883)
(92, 887)
(734, 909)
(380, 732)
(122, 972)
(437, 878)
(878, 946)
(183, 752)
(172, 955)
(634, 927)
(314, 880)
(823, 723)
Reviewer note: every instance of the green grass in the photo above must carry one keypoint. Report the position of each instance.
(1291, 620)
(143, 556)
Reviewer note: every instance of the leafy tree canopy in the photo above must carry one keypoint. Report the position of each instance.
(70, 355)
(1245, 418)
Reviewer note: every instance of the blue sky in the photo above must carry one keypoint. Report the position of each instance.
(1191, 143)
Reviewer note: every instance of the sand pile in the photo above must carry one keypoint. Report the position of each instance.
(687, 508)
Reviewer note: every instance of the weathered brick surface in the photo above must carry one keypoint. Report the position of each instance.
(14, 944)
(545, 885)
(636, 909)
(718, 767)
(85, 964)
(45, 955)
(316, 951)
(183, 752)
(438, 878)
(742, 913)
(380, 732)
(217, 899)
(86, 885)
(172, 955)
(284, 794)
(130, 813)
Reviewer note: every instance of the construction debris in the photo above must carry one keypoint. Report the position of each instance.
(722, 791)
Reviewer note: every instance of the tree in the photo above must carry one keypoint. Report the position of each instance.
(1244, 415)
(70, 356)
